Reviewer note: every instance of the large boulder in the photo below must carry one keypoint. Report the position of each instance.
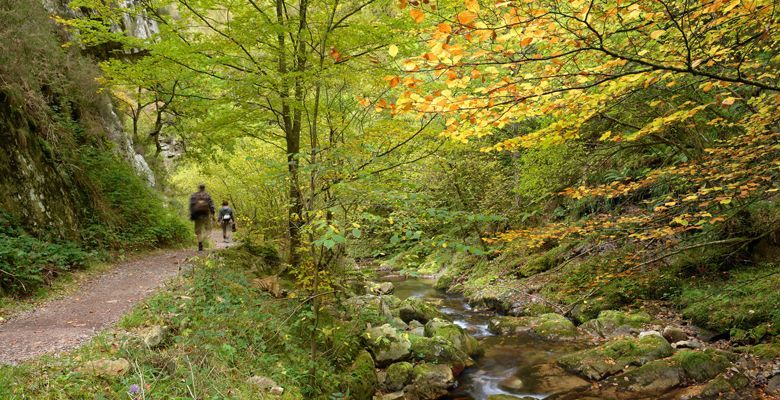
(612, 323)
(380, 288)
(440, 351)
(414, 309)
(439, 328)
(430, 381)
(398, 376)
(674, 334)
(727, 385)
(387, 344)
(700, 366)
(551, 378)
(615, 355)
(362, 381)
(548, 326)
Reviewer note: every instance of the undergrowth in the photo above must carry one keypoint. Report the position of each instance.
(223, 330)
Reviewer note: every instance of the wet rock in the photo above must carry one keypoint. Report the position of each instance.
(416, 309)
(105, 367)
(398, 376)
(674, 334)
(612, 323)
(512, 383)
(615, 355)
(550, 378)
(430, 382)
(155, 336)
(453, 334)
(509, 397)
(362, 379)
(547, 326)
(387, 344)
(441, 351)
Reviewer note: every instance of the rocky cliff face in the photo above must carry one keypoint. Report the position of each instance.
(51, 111)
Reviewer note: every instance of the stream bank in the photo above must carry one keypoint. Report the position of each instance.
(617, 355)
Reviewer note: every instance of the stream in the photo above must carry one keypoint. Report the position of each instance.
(511, 365)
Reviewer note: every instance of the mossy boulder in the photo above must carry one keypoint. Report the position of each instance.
(700, 366)
(387, 344)
(440, 351)
(655, 377)
(765, 351)
(430, 381)
(362, 380)
(615, 355)
(378, 305)
(549, 326)
(439, 328)
(612, 323)
(414, 309)
(398, 376)
(728, 383)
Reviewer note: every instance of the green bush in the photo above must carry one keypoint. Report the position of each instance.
(27, 263)
(135, 216)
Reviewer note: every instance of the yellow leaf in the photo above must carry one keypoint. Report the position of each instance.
(472, 5)
(606, 135)
(417, 15)
(392, 50)
(465, 17)
(728, 101)
(657, 34)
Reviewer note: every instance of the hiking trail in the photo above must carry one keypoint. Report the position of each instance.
(62, 324)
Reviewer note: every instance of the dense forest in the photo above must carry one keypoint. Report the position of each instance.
(465, 199)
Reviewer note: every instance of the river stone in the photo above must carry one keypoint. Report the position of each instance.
(773, 385)
(615, 355)
(431, 381)
(453, 334)
(509, 397)
(688, 344)
(106, 367)
(358, 305)
(439, 350)
(512, 383)
(413, 308)
(387, 344)
(362, 380)
(551, 378)
(674, 334)
(399, 324)
(655, 377)
(612, 323)
(548, 326)
(700, 366)
(728, 384)
(398, 375)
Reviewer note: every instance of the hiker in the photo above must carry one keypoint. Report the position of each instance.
(201, 212)
(226, 219)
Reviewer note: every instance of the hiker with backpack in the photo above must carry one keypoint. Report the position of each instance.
(201, 212)
(226, 219)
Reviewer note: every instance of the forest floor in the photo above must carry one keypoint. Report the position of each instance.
(64, 323)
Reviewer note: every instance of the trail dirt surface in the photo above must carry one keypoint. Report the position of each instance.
(65, 323)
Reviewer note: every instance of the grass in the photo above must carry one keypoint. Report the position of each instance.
(222, 331)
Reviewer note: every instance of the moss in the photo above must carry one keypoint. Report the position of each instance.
(453, 334)
(700, 366)
(362, 380)
(766, 351)
(615, 355)
(398, 375)
(741, 301)
(439, 351)
(548, 326)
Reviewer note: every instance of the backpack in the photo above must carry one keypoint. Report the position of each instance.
(201, 205)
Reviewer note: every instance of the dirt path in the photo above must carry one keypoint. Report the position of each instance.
(65, 323)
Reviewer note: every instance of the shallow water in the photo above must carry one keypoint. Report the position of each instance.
(519, 366)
